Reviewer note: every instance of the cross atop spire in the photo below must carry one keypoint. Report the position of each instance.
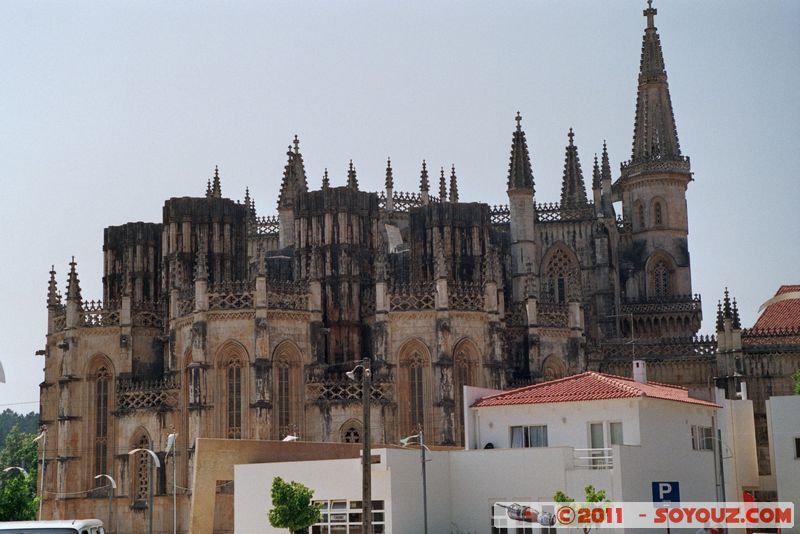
(296, 143)
(650, 13)
(520, 173)
(571, 136)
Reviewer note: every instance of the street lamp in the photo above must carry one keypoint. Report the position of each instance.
(110, 497)
(420, 437)
(43, 436)
(15, 468)
(154, 462)
(366, 454)
(172, 446)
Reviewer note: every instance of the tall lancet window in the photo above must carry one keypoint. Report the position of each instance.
(101, 386)
(141, 466)
(234, 393)
(462, 376)
(416, 393)
(661, 279)
(283, 399)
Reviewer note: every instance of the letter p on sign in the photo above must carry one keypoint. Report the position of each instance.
(666, 492)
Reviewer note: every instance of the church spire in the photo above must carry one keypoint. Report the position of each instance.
(53, 297)
(442, 186)
(352, 181)
(389, 176)
(216, 186)
(453, 184)
(605, 167)
(326, 182)
(655, 136)
(424, 186)
(294, 176)
(573, 189)
(520, 174)
(596, 174)
(73, 284)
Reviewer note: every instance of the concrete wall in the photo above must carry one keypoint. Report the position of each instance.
(666, 453)
(739, 455)
(567, 422)
(783, 423)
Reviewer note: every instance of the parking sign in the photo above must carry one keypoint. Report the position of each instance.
(666, 493)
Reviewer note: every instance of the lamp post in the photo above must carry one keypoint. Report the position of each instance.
(110, 497)
(16, 468)
(420, 437)
(366, 454)
(154, 462)
(42, 436)
(172, 446)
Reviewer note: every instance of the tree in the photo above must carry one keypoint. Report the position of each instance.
(796, 377)
(592, 495)
(18, 500)
(27, 423)
(291, 506)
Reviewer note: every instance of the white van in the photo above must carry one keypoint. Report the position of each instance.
(74, 526)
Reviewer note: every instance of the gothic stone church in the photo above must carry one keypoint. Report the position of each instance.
(217, 322)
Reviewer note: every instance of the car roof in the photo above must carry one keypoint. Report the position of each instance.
(61, 523)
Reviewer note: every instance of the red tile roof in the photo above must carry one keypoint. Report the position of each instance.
(589, 386)
(782, 314)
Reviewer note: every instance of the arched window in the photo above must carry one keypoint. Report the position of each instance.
(465, 360)
(560, 277)
(283, 398)
(416, 391)
(141, 466)
(661, 285)
(101, 386)
(287, 384)
(657, 216)
(351, 432)
(553, 368)
(641, 217)
(234, 393)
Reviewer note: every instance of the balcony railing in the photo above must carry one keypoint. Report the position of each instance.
(596, 458)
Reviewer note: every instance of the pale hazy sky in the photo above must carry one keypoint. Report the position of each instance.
(109, 108)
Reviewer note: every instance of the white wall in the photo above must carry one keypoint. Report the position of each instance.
(330, 479)
(567, 422)
(783, 425)
(738, 448)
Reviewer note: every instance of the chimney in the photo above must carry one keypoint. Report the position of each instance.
(640, 371)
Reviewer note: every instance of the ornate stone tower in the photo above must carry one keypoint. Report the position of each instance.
(652, 187)
(520, 205)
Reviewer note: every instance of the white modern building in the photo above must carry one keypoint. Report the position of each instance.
(617, 434)
(783, 425)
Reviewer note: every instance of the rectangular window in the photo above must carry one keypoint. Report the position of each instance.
(528, 436)
(702, 438)
(615, 433)
(345, 517)
(797, 448)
